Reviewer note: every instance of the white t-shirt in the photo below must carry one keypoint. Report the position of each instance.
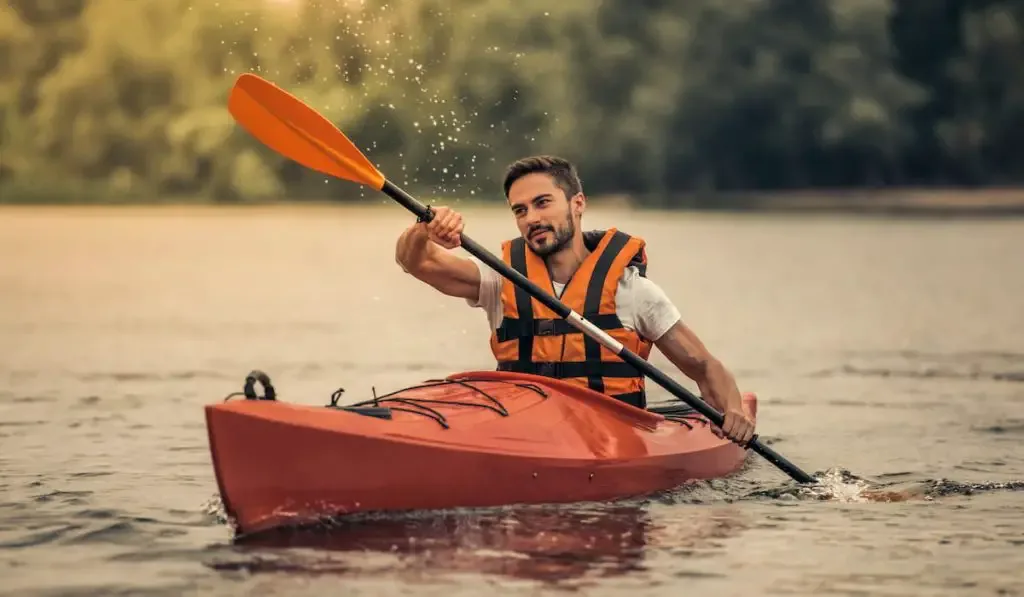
(640, 303)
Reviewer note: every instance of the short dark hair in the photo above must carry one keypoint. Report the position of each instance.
(562, 170)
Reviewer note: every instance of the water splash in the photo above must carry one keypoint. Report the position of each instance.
(214, 508)
(840, 485)
(939, 488)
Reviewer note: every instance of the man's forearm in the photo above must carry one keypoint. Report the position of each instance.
(414, 248)
(709, 373)
(689, 355)
(717, 381)
(682, 356)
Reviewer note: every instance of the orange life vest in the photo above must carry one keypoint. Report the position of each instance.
(533, 339)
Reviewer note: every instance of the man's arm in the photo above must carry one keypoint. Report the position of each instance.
(658, 318)
(419, 251)
(717, 385)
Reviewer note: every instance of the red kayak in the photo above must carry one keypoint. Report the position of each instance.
(475, 439)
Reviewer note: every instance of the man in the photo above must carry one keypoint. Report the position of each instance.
(600, 274)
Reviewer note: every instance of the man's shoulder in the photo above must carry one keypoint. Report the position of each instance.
(636, 292)
(633, 281)
(645, 304)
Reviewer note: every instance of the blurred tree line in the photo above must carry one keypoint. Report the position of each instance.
(119, 99)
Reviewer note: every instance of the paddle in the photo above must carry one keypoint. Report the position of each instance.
(285, 124)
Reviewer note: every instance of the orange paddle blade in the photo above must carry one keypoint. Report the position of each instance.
(285, 124)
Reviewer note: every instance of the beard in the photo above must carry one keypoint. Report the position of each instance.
(559, 239)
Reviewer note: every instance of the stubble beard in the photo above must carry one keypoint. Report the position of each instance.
(562, 238)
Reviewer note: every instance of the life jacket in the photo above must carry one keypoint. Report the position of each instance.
(532, 338)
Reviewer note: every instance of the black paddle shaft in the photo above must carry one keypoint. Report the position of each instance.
(425, 214)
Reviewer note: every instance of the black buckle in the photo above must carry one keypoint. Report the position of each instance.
(549, 369)
(545, 327)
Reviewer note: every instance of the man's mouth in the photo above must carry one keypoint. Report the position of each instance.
(537, 233)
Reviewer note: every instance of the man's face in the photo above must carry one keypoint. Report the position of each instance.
(547, 219)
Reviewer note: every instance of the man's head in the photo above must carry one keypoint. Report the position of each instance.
(546, 197)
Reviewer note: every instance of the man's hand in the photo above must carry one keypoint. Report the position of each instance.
(445, 228)
(739, 423)
(419, 252)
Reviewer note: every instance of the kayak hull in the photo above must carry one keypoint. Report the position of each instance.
(501, 438)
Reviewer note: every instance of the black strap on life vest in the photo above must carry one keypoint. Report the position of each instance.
(525, 327)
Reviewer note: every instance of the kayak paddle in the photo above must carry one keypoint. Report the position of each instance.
(293, 129)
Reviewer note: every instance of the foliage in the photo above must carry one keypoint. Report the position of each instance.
(121, 100)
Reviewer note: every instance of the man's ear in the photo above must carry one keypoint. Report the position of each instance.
(579, 203)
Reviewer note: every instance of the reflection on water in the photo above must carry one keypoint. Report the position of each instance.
(547, 544)
(532, 543)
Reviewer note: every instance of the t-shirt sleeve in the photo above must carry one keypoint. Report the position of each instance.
(654, 312)
(490, 292)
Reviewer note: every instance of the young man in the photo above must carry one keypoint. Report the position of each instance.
(600, 274)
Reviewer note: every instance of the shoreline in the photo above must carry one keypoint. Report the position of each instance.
(952, 202)
(885, 202)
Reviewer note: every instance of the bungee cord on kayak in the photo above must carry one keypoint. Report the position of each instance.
(421, 403)
(682, 414)
(383, 406)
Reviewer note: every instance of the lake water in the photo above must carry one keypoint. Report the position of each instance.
(889, 350)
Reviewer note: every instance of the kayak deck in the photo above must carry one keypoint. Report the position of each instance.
(386, 406)
(473, 439)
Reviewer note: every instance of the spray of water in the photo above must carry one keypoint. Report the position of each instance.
(839, 485)
(403, 79)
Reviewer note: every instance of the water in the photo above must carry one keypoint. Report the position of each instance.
(888, 355)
